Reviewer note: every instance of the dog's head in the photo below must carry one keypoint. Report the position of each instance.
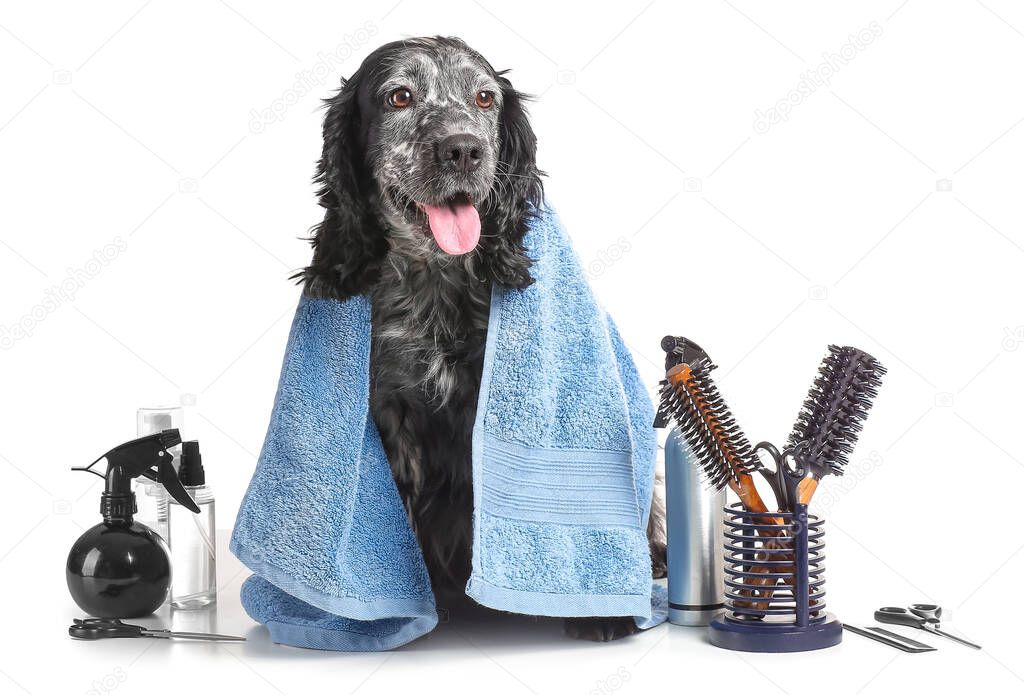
(427, 151)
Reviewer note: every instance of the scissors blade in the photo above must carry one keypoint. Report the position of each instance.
(931, 628)
(205, 636)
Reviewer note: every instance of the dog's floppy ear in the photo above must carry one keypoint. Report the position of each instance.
(518, 150)
(348, 246)
(516, 196)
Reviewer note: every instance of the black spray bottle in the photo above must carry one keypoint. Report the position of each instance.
(121, 568)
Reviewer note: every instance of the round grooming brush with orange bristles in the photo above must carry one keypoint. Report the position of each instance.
(690, 397)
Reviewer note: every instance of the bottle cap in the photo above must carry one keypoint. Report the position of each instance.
(190, 472)
(152, 420)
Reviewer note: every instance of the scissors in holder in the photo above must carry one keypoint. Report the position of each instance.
(783, 476)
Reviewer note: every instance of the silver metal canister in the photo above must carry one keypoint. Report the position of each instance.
(694, 527)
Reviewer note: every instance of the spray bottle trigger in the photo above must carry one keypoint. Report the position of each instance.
(167, 477)
(89, 469)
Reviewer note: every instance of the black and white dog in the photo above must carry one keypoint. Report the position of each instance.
(428, 178)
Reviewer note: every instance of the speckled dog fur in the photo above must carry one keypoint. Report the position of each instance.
(430, 309)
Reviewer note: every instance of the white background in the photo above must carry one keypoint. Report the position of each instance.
(883, 212)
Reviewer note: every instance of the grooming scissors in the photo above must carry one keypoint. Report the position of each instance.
(923, 616)
(104, 628)
(783, 476)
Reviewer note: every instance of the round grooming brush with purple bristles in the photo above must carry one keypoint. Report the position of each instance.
(832, 416)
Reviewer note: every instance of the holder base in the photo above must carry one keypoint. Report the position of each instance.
(753, 636)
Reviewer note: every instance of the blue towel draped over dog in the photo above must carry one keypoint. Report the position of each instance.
(563, 470)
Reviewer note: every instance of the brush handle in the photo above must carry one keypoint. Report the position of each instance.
(702, 404)
(743, 486)
(802, 492)
(752, 501)
(805, 490)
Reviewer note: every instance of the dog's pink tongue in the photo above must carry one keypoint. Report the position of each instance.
(456, 228)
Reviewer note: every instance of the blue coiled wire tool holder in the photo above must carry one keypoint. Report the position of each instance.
(774, 584)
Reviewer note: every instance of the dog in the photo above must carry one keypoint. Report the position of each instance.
(428, 178)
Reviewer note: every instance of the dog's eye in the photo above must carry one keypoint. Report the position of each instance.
(400, 98)
(484, 99)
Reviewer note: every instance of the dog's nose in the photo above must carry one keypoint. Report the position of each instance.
(462, 152)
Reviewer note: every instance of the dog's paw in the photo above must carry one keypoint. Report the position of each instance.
(600, 629)
(659, 560)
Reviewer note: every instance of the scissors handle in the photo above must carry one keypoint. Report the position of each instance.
(103, 628)
(775, 477)
(899, 616)
(929, 611)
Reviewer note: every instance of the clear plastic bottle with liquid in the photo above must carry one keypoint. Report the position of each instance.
(192, 537)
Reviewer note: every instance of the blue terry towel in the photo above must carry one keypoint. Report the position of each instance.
(563, 470)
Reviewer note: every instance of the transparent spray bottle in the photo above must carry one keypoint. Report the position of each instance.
(192, 537)
(152, 498)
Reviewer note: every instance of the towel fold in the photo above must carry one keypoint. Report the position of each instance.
(563, 471)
